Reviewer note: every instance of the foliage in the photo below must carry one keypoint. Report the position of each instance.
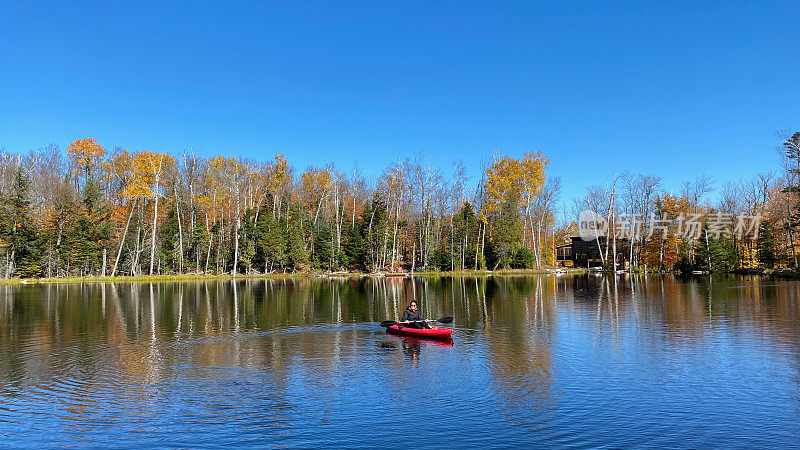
(17, 232)
(507, 230)
(766, 245)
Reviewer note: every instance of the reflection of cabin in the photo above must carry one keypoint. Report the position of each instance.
(581, 253)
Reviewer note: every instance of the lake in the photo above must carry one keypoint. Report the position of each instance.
(538, 360)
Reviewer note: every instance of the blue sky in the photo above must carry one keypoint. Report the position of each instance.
(674, 89)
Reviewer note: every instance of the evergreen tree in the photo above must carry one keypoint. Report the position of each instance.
(198, 247)
(376, 221)
(296, 252)
(354, 255)
(507, 234)
(524, 258)
(17, 230)
(247, 241)
(715, 253)
(91, 232)
(168, 248)
(465, 239)
(323, 249)
(272, 241)
(440, 259)
(766, 245)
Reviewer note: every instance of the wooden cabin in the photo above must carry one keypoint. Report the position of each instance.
(585, 254)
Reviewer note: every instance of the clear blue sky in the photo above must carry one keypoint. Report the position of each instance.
(672, 88)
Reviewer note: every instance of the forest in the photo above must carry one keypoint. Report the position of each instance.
(89, 212)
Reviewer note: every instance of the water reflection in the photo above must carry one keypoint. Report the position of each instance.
(548, 359)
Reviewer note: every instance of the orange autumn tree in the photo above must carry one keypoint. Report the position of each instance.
(86, 155)
(663, 247)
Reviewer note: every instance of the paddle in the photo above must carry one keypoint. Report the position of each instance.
(388, 323)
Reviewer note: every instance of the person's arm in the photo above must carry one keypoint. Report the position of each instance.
(405, 316)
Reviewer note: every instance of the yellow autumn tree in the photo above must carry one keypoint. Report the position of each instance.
(150, 168)
(121, 168)
(523, 177)
(518, 181)
(316, 182)
(280, 175)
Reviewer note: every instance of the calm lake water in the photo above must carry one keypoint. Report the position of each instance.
(553, 361)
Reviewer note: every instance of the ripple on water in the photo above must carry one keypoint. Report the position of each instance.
(570, 369)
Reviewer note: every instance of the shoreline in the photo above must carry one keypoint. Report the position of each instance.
(287, 276)
(781, 274)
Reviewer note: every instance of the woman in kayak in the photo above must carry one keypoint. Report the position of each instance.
(412, 318)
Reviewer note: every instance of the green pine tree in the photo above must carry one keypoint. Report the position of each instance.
(272, 241)
(323, 249)
(198, 248)
(766, 245)
(715, 253)
(354, 255)
(17, 230)
(297, 254)
(507, 234)
(91, 231)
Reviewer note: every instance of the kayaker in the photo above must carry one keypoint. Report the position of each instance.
(412, 318)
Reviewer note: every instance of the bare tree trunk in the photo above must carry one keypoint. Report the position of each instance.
(180, 232)
(789, 228)
(339, 215)
(208, 253)
(155, 223)
(122, 241)
(138, 252)
(394, 233)
(483, 243)
(539, 244)
(633, 241)
(10, 264)
(413, 257)
(236, 236)
(480, 224)
(596, 235)
(614, 242)
(452, 244)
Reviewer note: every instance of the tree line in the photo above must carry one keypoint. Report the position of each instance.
(92, 212)
(718, 245)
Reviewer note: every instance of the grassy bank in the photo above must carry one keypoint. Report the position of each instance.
(280, 276)
(149, 278)
(479, 273)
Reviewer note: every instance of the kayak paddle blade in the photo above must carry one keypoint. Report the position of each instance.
(388, 323)
(447, 319)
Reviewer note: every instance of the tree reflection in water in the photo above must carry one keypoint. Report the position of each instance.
(541, 353)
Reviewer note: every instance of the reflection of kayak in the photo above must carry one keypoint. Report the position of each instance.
(423, 342)
(434, 333)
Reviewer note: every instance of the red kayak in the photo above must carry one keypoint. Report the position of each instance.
(442, 333)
